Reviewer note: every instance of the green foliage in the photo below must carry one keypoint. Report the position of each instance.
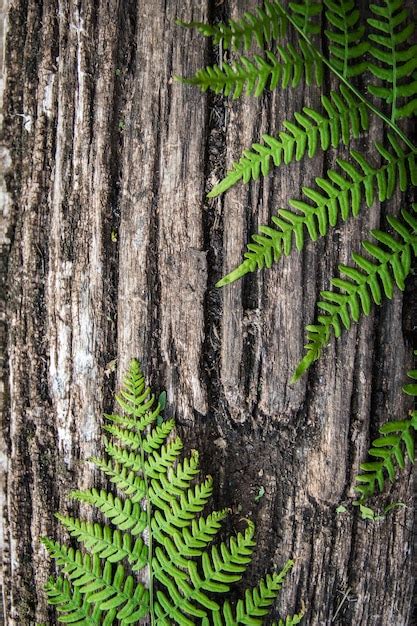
(154, 528)
(263, 26)
(388, 264)
(346, 45)
(396, 444)
(288, 67)
(396, 58)
(306, 15)
(381, 47)
(343, 118)
(337, 196)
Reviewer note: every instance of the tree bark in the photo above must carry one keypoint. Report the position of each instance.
(112, 252)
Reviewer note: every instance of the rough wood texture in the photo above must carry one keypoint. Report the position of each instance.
(114, 253)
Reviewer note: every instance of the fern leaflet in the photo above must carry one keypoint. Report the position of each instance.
(343, 119)
(156, 525)
(360, 287)
(346, 46)
(288, 67)
(392, 30)
(264, 25)
(395, 445)
(305, 14)
(337, 195)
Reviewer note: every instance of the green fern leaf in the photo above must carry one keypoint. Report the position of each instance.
(396, 57)
(72, 606)
(346, 46)
(255, 605)
(219, 569)
(157, 528)
(288, 67)
(124, 514)
(396, 444)
(109, 544)
(264, 25)
(338, 195)
(364, 285)
(107, 589)
(343, 119)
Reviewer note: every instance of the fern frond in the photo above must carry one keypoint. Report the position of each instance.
(342, 119)
(396, 444)
(157, 528)
(126, 479)
(306, 15)
(346, 46)
(220, 568)
(109, 544)
(396, 57)
(265, 24)
(199, 534)
(255, 605)
(338, 195)
(72, 606)
(156, 463)
(169, 520)
(364, 285)
(108, 589)
(132, 440)
(125, 514)
(287, 67)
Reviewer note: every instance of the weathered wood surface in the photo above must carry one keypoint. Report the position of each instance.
(114, 253)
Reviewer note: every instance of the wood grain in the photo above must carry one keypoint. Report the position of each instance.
(114, 252)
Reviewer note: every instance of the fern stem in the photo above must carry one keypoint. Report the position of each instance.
(353, 89)
(148, 524)
(394, 73)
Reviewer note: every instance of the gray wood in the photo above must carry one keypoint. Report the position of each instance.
(114, 253)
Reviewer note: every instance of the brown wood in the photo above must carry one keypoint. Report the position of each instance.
(114, 253)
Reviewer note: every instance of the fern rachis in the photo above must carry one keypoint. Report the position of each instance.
(397, 60)
(287, 67)
(153, 523)
(347, 46)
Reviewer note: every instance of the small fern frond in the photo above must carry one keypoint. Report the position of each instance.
(199, 534)
(255, 605)
(109, 544)
(127, 481)
(124, 514)
(264, 25)
(306, 15)
(72, 606)
(112, 591)
(396, 444)
(219, 569)
(342, 119)
(156, 528)
(169, 520)
(364, 285)
(153, 441)
(338, 195)
(346, 46)
(286, 67)
(396, 57)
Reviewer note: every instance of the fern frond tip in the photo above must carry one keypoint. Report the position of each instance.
(244, 268)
